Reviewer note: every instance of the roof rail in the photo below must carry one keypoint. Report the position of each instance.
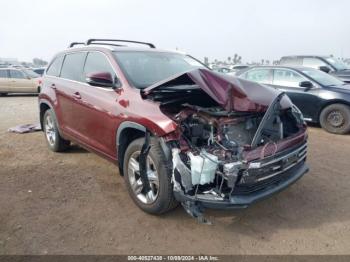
(75, 43)
(91, 41)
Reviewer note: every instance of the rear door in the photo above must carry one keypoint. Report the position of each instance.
(21, 83)
(306, 100)
(67, 88)
(4, 81)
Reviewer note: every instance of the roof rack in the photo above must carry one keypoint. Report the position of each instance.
(93, 41)
(75, 43)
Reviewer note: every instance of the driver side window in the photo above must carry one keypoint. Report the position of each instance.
(97, 62)
(285, 77)
(17, 74)
(262, 76)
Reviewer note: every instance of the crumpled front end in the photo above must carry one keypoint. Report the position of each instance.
(231, 162)
(229, 153)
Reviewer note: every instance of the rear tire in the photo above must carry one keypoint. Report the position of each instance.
(53, 139)
(336, 119)
(159, 172)
(3, 94)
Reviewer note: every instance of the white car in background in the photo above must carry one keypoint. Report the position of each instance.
(19, 80)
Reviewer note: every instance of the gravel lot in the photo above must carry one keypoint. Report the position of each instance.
(76, 203)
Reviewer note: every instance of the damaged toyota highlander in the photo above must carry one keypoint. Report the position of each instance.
(179, 132)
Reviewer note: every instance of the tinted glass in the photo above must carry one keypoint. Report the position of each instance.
(55, 67)
(339, 65)
(291, 61)
(313, 62)
(73, 66)
(262, 76)
(3, 74)
(146, 68)
(17, 74)
(97, 62)
(285, 77)
(322, 77)
(30, 73)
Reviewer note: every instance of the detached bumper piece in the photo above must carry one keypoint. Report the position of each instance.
(260, 180)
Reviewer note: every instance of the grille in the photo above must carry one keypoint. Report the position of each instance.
(271, 171)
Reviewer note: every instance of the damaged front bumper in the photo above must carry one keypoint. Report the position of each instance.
(261, 179)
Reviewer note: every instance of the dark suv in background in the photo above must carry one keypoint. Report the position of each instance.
(178, 131)
(326, 64)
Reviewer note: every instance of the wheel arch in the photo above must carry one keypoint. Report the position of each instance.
(127, 132)
(43, 107)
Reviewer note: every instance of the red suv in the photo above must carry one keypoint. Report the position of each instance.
(178, 131)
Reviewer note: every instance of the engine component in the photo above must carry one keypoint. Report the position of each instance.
(203, 168)
(180, 169)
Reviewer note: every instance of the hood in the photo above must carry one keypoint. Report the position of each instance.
(342, 88)
(233, 94)
(343, 75)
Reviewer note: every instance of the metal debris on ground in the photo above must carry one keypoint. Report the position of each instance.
(28, 128)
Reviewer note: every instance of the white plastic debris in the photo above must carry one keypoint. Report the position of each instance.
(203, 168)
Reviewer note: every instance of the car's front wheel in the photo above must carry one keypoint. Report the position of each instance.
(159, 199)
(336, 119)
(54, 140)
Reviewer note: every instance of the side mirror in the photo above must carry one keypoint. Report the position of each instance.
(325, 69)
(101, 79)
(306, 84)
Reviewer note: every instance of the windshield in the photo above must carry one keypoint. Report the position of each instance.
(144, 68)
(322, 77)
(339, 65)
(30, 73)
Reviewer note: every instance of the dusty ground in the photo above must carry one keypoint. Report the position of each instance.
(76, 203)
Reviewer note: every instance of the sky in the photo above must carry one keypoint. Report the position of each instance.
(253, 29)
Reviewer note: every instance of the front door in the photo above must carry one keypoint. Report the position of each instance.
(97, 107)
(21, 83)
(305, 99)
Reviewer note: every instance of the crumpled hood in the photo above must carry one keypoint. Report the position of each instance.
(233, 94)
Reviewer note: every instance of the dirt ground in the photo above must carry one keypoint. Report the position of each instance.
(76, 203)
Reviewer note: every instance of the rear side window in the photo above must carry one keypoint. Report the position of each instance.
(3, 74)
(262, 76)
(97, 62)
(17, 74)
(291, 61)
(73, 65)
(313, 62)
(55, 67)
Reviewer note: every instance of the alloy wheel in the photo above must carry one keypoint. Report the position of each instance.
(50, 130)
(136, 182)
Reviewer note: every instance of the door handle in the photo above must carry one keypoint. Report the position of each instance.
(77, 95)
(53, 86)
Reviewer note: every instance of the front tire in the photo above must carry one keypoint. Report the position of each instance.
(336, 119)
(53, 139)
(160, 198)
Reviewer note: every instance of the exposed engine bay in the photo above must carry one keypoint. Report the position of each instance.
(209, 156)
(217, 151)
